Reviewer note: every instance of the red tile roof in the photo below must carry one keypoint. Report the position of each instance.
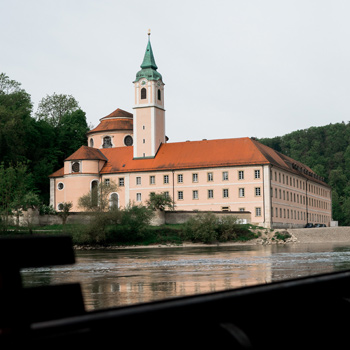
(195, 154)
(117, 120)
(85, 153)
(186, 155)
(58, 173)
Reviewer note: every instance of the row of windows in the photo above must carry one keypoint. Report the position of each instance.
(195, 196)
(291, 181)
(289, 214)
(195, 177)
(296, 198)
(299, 215)
(144, 94)
(210, 193)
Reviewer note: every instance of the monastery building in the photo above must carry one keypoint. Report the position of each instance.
(238, 175)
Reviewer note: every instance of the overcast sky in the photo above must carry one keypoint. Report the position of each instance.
(231, 68)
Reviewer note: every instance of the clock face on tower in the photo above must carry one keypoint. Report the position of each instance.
(143, 82)
(128, 140)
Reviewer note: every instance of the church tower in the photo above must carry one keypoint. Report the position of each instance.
(149, 116)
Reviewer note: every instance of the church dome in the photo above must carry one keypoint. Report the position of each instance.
(114, 130)
(117, 120)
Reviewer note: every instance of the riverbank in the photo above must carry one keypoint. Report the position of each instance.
(292, 236)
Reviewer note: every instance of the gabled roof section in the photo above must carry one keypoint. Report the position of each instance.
(282, 161)
(117, 120)
(87, 153)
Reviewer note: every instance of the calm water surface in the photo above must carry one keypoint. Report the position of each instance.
(122, 277)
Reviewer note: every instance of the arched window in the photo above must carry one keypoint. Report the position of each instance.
(91, 142)
(94, 193)
(159, 95)
(75, 167)
(143, 93)
(113, 201)
(107, 142)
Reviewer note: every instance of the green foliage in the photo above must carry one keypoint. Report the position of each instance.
(159, 201)
(46, 209)
(126, 225)
(16, 191)
(282, 236)
(208, 228)
(64, 211)
(326, 150)
(44, 142)
(53, 108)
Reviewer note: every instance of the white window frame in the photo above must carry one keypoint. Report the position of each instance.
(241, 192)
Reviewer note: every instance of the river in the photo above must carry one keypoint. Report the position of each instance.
(112, 278)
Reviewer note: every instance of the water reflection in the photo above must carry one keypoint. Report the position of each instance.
(123, 277)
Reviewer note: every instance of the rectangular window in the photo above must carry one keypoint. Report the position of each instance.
(241, 192)
(138, 180)
(121, 181)
(180, 195)
(210, 194)
(166, 194)
(258, 211)
(240, 174)
(257, 174)
(257, 191)
(138, 197)
(195, 194)
(241, 209)
(166, 179)
(152, 180)
(225, 208)
(195, 177)
(107, 182)
(225, 192)
(180, 178)
(224, 175)
(210, 177)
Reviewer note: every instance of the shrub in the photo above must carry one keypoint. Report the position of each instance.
(207, 228)
(201, 228)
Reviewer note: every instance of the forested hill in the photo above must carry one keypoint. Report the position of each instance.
(326, 150)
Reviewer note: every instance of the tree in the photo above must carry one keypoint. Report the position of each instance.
(159, 201)
(53, 108)
(16, 191)
(15, 120)
(72, 132)
(64, 211)
(97, 200)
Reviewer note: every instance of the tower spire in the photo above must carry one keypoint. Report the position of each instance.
(148, 60)
(148, 66)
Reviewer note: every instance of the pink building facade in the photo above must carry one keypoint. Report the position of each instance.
(209, 175)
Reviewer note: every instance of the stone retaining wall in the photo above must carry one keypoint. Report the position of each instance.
(322, 234)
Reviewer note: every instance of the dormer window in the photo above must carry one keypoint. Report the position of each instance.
(143, 93)
(107, 142)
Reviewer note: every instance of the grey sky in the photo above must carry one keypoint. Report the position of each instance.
(231, 68)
